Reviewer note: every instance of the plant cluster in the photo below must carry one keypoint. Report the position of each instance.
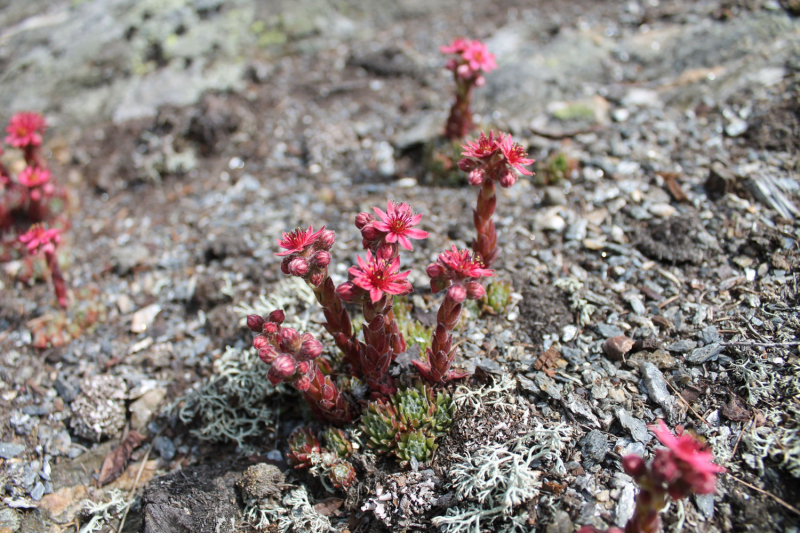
(31, 200)
(469, 61)
(684, 467)
(401, 420)
(328, 463)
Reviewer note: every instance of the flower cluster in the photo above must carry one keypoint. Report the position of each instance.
(40, 239)
(458, 272)
(684, 467)
(471, 60)
(488, 160)
(306, 253)
(292, 356)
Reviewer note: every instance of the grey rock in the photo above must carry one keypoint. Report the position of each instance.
(626, 505)
(710, 352)
(554, 196)
(9, 450)
(580, 407)
(607, 330)
(65, 389)
(548, 385)
(577, 231)
(681, 346)
(705, 504)
(736, 127)
(636, 426)
(709, 335)
(37, 410)
(9, 520)
(561, 523)
(637, 305)
(426, 127)
(490, 366)
(658, 391)
(594, 447)
(38, 491)
(126, 258)
(165, 447)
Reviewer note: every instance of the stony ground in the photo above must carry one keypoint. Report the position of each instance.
(194, 131)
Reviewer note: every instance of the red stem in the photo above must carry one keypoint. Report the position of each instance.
(459, 123)
(58, 278)
(485, 244)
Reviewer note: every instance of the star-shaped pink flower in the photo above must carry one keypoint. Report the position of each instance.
(479, 58)
(397, 222)
(298, 240)
(380, 276)
(33, 177)
(462, 264)
(515, 155)
(25, 129)
(458, 46)
(38, 238)
(685, 466)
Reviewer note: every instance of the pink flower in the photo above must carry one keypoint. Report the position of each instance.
(38, 238)
(397, 222)
(25, 129)
(458, 46)
(515, 155)
(479, 58)
(483, 147)
(33, 177)
(463, 264)
(380, 276)
(685, 466)
(298, 240)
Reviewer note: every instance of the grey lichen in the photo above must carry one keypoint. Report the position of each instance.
(261, 486)
(301, 516)
(99, 409)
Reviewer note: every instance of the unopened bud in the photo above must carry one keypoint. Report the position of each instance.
(270, 328)
(480, 81)
(634, 465)
(274, 377)
(477, 176)
(321, 259)
(475, 290)
(267, 354)
(255, 323)
(309, 350)
(326, 239)
(302, 383)
(298, 266)
(316, 278)
(348, 291)
(371, 233)
(284, 365)
(468, 164)
(386, 251)
(457, 293)
(435, 270)
(451, 64)
(464, 71)
(508, 178)
(259, 341)
(362, 219)
(290, 339)
(285, 265)
(277, 316)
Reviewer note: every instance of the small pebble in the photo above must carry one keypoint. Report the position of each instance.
(38, 491)
(662, 210)
(9, 450)
(165, 447)
(569, 333)
(616, 347)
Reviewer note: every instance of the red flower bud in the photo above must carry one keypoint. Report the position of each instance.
(277, 316)
(316, 278)
(508, 178)
(435, 270)
(274, 377)
(267, 354)
(475, 290)
(270, 328)
(386, 251)
(362, 219)
(309, 350)
(298, 266)
(326, 239)
(321, 259)
(476, 176)
(457, 293)
(303, 367)
(634, 466)
(285, 265)
(370, 233)
(284, 365)
(255, 323)
(468, 165)
(259, 341)
(302, 383)
(290, 339)
(348, 291)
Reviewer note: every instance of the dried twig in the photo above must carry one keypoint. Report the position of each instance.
(767, 344)
(739, 439)
(687, 403)
(762, 491)
(136, 481)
